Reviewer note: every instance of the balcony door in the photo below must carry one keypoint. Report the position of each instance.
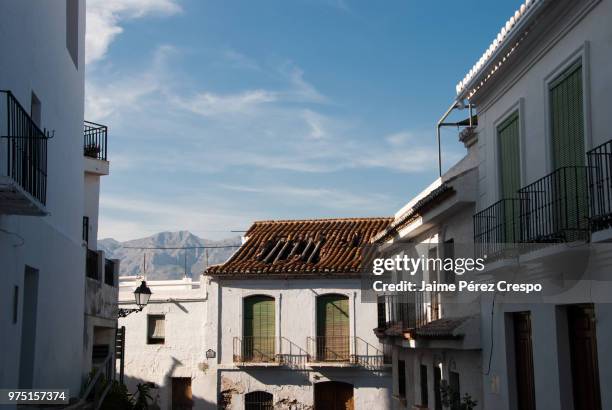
(259, 329)
(333, 328)
(583, 350)
(510, 174)
(568, 151)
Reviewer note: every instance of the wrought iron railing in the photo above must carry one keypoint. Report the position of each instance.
(329, 348)
(255, 349)
(368, 355)
(555, 208)
(600, 183)
(497, 230)
(401, 312)
(94, 140)
(24, 148)
(91, 264)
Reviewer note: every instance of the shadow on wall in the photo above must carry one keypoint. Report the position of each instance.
(198, 403)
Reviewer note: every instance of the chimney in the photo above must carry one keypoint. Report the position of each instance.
(469, 137)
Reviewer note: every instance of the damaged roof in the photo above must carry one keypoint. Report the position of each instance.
(319, 247)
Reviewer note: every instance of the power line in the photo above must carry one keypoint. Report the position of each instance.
(181, 247)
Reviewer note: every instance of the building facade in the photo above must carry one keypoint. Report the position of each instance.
(49, 174)
(164, 344)
(434, 335)
(289, 328)
(540, 92)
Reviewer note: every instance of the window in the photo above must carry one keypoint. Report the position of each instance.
(35, 109)
(86, 229)
(156, 329)
(332, 328)
(72, 30)
(449, 252)
(401, 379)
(259, 329)
(510, 172)
(258, 400)
(424, 388)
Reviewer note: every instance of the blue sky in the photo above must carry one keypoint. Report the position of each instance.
(225, 112)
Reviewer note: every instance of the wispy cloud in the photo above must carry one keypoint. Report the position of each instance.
(104, 18)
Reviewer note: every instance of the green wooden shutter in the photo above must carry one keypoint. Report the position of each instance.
(333, 327)
(259, 328)
(509, 159)
(567, 123)
(567, 118)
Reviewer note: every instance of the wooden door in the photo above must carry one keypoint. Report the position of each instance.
(583, 350)
(259, 329)
(333, 328)
(523, 352)
(437, 385)
(181, 393)
(334, 396)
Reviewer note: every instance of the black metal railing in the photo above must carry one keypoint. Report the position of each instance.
(401, 312)
(94, 140)
(555, 208)
(25, 150)
(255, 349)
(497, 230)
(328, 348)
(91, 264)
(109, 272)
(599, 160)
(370, 356)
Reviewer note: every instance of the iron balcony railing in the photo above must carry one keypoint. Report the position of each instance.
(555, 208)
(91, 264)
(398, 313)
(329, 348)
(497, 230)
(255, 349)
(24, 149)
(599, 160)
(94, 140)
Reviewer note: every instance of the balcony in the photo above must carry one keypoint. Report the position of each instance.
(555, 208)
(398, 314)
(497, 230)
(322, 349)
(23, 161)
(255, 350)
(599, 160)
(94, 140)
(95, 148)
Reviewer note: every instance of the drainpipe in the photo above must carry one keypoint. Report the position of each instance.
(456, 104)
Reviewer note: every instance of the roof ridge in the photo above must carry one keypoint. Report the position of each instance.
(346, 219)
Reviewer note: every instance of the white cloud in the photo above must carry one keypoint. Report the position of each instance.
(104, 19)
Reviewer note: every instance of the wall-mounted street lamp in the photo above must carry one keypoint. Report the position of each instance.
(142, 294)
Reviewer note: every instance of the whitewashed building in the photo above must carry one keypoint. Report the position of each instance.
(164, 344)
(434, 335)
(288, 327)
(541, 92)
(49, 178)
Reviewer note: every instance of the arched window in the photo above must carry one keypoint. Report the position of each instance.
(332, 328)
(258, 335)
(258, 400)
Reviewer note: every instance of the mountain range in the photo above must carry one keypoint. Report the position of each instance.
(168, 263)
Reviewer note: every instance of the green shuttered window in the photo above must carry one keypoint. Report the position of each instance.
(259, 328)
(332, 327)
(567, 118)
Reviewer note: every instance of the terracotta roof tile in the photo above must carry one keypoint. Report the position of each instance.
(441, 328)
(302, 247)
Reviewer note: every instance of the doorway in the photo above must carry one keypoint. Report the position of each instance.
(333, 396)
(28, 328)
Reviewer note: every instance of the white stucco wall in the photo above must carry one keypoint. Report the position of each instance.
(525, 88)
(183, 304)
(33, 41)
(295, 304)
